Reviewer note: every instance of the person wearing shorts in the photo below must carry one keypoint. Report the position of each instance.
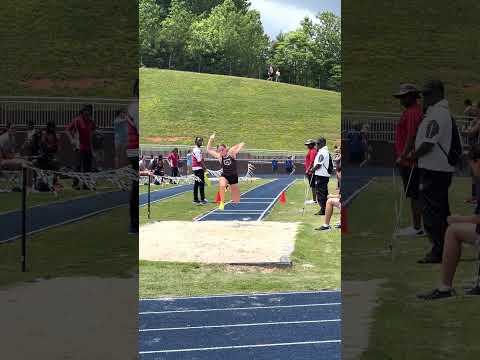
(405, 133)
(461, 230)
(228, 159)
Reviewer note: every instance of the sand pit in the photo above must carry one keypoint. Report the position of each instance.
(70, 318)
(218, 242)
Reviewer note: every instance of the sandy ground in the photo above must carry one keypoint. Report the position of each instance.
(223, 242)
(359, 302)
(70, 318)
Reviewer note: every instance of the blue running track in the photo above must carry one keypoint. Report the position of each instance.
(42, 217)
(254, 204)
(163, 194)
(293, 326)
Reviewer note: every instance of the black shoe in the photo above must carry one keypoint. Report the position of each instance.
(324, 228)
(437, 294)
(430, 259)
(196, 202)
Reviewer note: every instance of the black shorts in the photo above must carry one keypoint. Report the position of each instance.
(231, 179)
(311, 180)
(414, 183)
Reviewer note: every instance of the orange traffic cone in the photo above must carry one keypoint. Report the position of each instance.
(283, 198)
(218, 199)
(343, 220)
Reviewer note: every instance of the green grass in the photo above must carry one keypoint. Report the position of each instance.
(390, 42)
(69, 40)
(316, 262)
(181, 208)
(97, 246)
(403, 327)
(144, 188)
(177, 106)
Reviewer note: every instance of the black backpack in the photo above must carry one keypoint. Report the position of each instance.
(456, 148)
(330, 164)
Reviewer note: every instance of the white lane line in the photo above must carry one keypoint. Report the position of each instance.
(66, 222)
(246, 192)
(242, 325)
(166, 198)
(235, 210)
(275, 200)
(356, 192)
(238, 308)
(243, 346)
(259, 199)
(255, 202)
(244, 295)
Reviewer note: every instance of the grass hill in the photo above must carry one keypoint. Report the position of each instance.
(389, 42)
(176, 106)
(68, 48)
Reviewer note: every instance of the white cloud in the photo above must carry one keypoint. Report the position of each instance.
(278, 17)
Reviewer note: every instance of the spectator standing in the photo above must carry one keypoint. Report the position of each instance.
(198, 167)
(274, 166)
(189, 162)
(173, 160)
(355, 146)
(405, 133)
(322, 176)
(121, 137)
(309, 175)
(432, 144)
(80, 133)
(277, 75)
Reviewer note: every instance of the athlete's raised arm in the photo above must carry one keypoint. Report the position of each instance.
(235, 149)
(210, 150)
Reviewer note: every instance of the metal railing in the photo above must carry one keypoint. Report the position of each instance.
(20, 111)
(258, 154)
(381, 125)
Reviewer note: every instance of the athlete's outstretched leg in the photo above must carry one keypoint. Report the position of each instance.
(235, 190)
(222, 182)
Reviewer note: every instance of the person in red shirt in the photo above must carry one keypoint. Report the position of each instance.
(309, 159)
(173, 160)
(405, 133)
(80, 131)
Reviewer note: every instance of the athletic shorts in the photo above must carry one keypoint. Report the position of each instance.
(231, 179)
(336, 203)
(413, 181)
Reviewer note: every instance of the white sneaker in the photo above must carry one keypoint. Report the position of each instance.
(310, 202)
(410, 231)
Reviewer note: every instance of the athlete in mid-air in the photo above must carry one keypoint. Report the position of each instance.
(228, 159)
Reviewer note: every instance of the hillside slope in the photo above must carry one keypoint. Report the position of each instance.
(176, 106)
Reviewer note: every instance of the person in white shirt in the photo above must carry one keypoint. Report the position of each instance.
(322, 176)
(432, 144)
(198, 168)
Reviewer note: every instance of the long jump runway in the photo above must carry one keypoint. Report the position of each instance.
(281, 326)
(254, 204)
(163, 194)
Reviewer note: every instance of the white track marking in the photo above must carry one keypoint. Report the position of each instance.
(246, 192)
(66, 222)
(165, 198)
(237, 308)
(358, 191)
(244, 295)
(241, 325)
(275, 200)
(242, 346)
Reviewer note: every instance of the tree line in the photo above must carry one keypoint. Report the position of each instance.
(227, 37)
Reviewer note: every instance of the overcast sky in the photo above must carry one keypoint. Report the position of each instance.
(285, 15)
